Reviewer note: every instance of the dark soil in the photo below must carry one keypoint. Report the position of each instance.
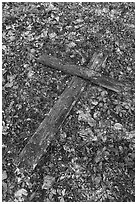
(93, 156)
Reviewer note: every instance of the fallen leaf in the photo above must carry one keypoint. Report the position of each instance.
(62, 199)
(88, 135)
(53, 191)
(12, 38)
(51, 7)
(45, 33)
(4, 187)
(9, 85)
(4, 175)
(97, 180)
(118, 126)
(86, 117)
(48, 182)
(20, 193)
(32, 196)
(52, 35)
(71, 44)
(63, 192)
(32, 51)
(79, 20)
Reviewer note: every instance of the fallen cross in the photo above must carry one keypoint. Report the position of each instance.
(37, 145)
(85, 72)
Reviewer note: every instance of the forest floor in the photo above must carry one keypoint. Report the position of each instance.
(93, 156)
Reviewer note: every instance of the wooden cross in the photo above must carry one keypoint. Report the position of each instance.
(38, 143)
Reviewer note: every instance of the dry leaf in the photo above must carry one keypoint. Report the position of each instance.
(71, 44)
(4, 175)
(4, 187)
(52, 35)
(20, 193)
(86, 117)
(48, 182)
(118, 126)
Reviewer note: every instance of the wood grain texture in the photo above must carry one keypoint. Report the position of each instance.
(85, 72)
(41, 139)
(37, 145)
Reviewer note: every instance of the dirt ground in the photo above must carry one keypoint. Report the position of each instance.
(93, 155)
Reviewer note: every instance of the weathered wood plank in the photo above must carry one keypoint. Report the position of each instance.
(85, 72)
(37, 145)
(39, 142)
